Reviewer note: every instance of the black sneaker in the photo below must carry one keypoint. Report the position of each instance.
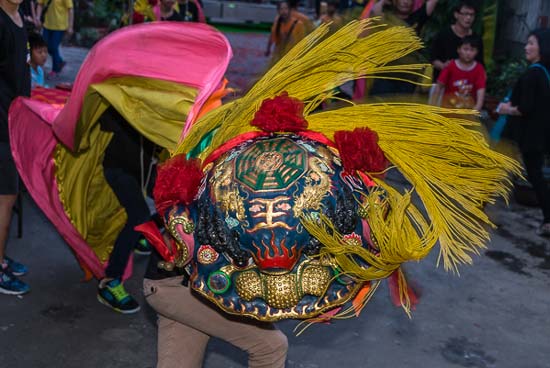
(142, 247)
(114, 296)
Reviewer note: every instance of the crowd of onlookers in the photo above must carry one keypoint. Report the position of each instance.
(456, 53)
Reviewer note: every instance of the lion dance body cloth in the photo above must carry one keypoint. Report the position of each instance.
(278, 210)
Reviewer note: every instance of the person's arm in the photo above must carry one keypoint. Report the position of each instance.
(430, 7)
(70, 30)
(272, 36)
(506, 108)
(435, 97)
(269, 44)
(480, 84)
(33, 13)
(480, 99)
(39, 9)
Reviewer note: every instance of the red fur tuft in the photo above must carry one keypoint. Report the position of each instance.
(280, 114)
(359, 150)
(178, 181)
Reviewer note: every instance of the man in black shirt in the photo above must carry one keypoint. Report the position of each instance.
(14, 81)
(445, 44)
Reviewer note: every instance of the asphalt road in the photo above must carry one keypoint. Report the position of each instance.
(495, 314)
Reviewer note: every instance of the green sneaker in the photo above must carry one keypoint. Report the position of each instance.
(142, 247)
(114, 296)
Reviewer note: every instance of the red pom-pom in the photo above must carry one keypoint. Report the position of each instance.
(359, 150)
(280, 114)
(178, 181)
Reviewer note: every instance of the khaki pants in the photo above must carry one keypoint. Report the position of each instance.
(186, 323)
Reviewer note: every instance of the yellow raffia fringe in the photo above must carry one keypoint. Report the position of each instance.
(348, 313)
(453, 171)
(451, 167)
(404, 298)
(309, 71)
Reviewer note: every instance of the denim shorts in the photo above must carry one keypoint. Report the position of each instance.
(9, 179)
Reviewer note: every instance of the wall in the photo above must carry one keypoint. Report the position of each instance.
(516, 19)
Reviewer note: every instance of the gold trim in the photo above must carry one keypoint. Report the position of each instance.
(293, 313)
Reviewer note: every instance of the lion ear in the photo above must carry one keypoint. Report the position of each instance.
(153, 235)
(178, 181)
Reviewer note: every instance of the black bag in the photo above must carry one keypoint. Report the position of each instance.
(43, 15)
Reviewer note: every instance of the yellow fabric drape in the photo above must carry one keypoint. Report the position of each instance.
(156, 109)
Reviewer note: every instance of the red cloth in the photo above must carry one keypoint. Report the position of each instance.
(461, 86)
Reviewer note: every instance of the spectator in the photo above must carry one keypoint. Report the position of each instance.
(39, 55)
(58, 19)
(528, 110)
(446, 42)
(463, 79)
(286, 32)
(404, 11)
(28, 9)
(14, 81)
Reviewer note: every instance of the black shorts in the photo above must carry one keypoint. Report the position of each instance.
(9, 179)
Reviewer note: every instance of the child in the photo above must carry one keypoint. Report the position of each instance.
(39, 55)
(463, 80)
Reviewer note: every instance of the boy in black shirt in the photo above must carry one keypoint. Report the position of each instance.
(14, 81)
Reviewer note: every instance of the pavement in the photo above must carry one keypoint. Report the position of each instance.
(494, 314)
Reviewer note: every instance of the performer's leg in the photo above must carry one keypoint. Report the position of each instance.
(266, 345)
(111, 291)
(129, 194)
(534, 162)
(179, 345)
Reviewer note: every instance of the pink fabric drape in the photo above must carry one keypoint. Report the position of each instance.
(193, 54)
(187, 53)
